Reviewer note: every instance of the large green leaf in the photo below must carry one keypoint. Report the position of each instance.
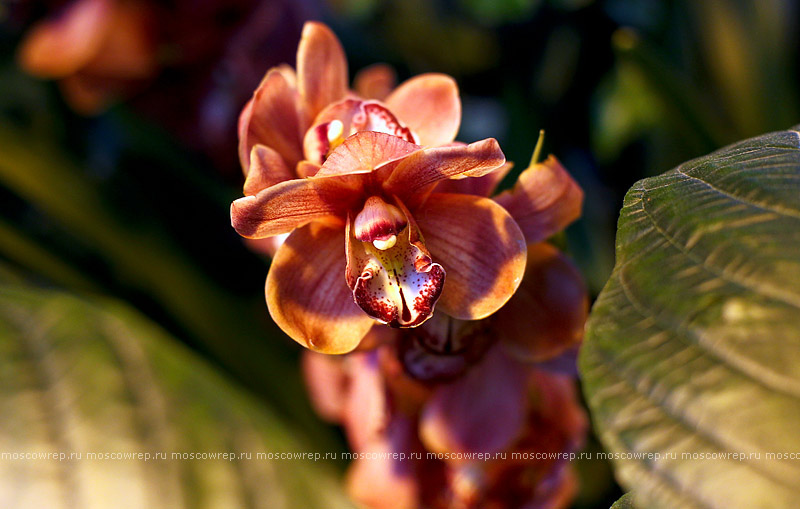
(81, 378)
(693, 347)
(145, 257)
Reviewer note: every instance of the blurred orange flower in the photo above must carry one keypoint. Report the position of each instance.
(468, 420)
(96, 48)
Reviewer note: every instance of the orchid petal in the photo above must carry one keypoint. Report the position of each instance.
(366, 410)
(321, 68)
(242, 128)
(375, 82)
(271, 119)
(345, 118)
(418, 171)
(479, 186)
(291, 204)
(307, 169)
(59, 46)
(244, 117)
(430, 106)
(326, 381)
(480, 246)
(378, 336)
(381, 480)
(307, 297)
(560, 424)
(546, 315)
(86, 94)
(267, 168)
(365, 152)
(483, 411)
(442, 348)
(398, 286)
(266, 246)
(128, 50)
(544, 201)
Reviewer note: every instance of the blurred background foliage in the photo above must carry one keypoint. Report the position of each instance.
(131, 203)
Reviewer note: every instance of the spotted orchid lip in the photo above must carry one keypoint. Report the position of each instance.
(347, 117)
(398, 283)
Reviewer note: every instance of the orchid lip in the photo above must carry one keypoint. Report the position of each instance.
(394, 290)
(346, 118)
(392, 277)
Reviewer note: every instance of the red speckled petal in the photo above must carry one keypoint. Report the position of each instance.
(481, 248)
(307, 295)
(430, 106)
(544, 200)
(355, 116)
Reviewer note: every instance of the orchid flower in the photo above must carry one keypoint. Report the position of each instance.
(366, 229)
(276, 137)
(96, 48)
(501, 384)
(362, 206)
(501, 406)
(466, 388)
(297, 117)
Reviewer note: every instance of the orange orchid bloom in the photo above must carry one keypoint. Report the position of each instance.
(369, 214)
(96, 48)
(277, 141)
(501, 407)
(362, 205)
(295, 118)
(502, 385)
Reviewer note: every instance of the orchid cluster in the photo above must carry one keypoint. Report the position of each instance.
(465, 413)
(376, 217)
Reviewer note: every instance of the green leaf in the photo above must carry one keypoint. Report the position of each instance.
(80, 378)
(145, 257)
(624, 502)
(691, 364)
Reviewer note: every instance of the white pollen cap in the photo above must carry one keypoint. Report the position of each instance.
(383, 245)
